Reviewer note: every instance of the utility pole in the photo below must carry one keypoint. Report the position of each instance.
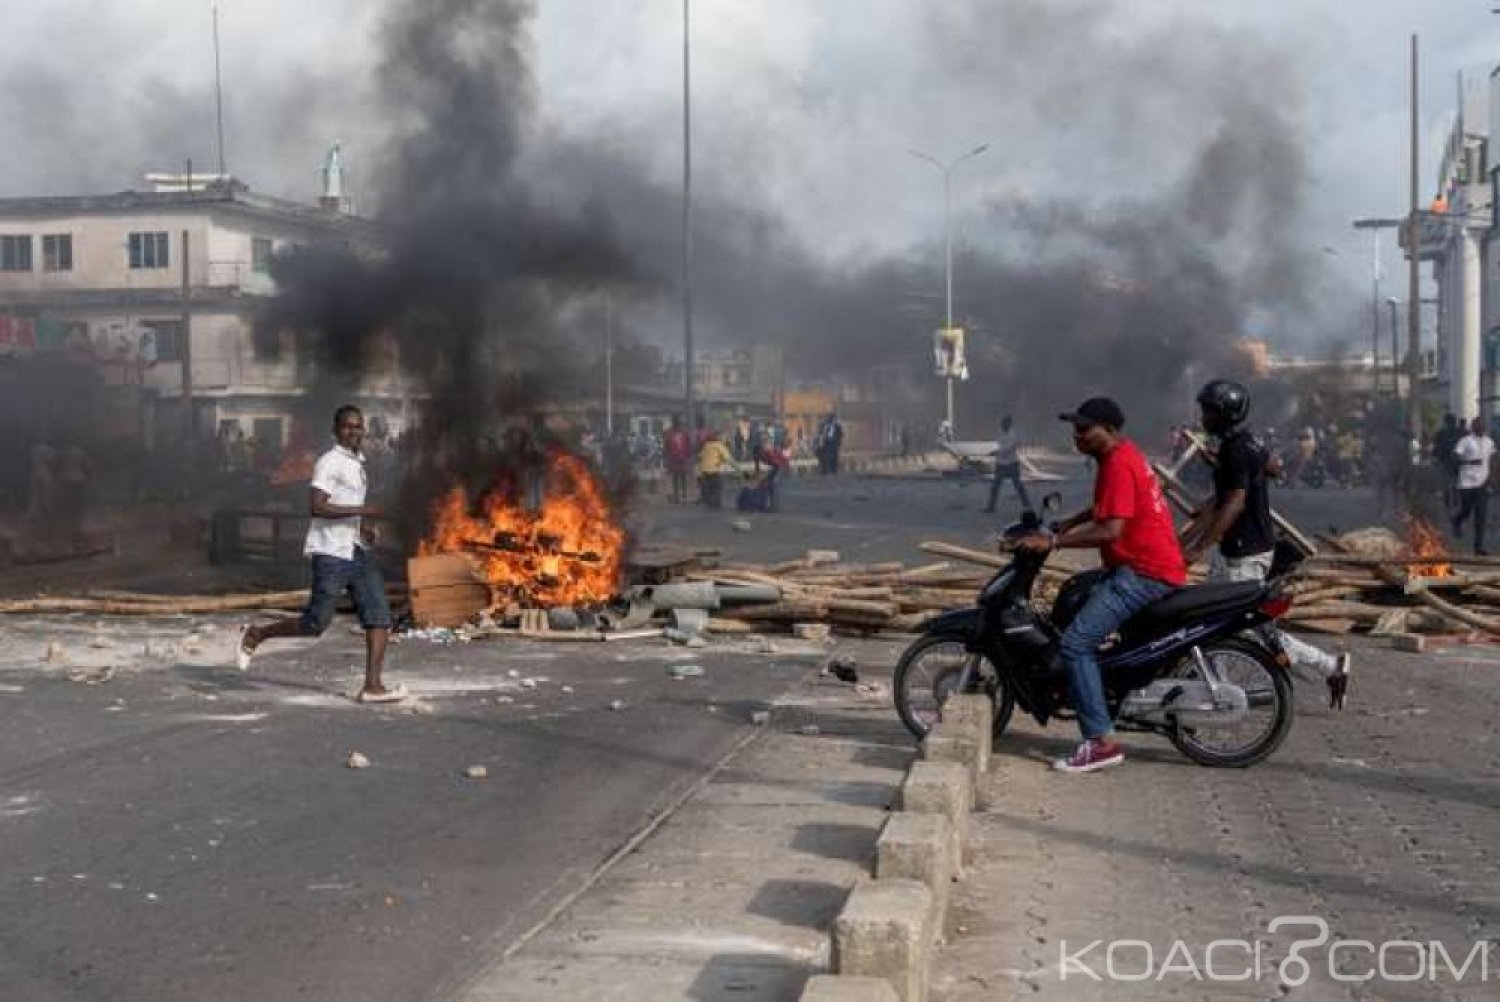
(1414, 278)
(218, 91)
(687, 217)
(609, 368)
(189, 426)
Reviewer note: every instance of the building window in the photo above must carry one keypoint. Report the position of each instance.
(260, 254)
(166, 336)
(15, 253)
(148, 250)
(57, 252)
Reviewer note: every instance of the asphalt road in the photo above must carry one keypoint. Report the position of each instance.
(185, 832)
(181, 831)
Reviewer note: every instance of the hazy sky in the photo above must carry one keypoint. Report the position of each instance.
(804, 105)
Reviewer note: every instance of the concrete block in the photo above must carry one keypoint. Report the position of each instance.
(1412, 643)
(941, 788)
(976, 714)
(959, 741)
(885, 931)
(918, 847)
(836, 988)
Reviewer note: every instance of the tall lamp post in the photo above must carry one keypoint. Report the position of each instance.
(947, 169)
(687, 217)
(1375, 226)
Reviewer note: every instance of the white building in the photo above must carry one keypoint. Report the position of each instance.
(134, 282)
(1453, 236)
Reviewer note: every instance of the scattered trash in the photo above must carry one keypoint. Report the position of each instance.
(741, 525)
(152, 896)
(685, 671)
(843, 668)
(810, 729)
(872, 689)
(512, 673)
(617, 704)
(477, 772)
(695, 643)
(432, 634)
(528, 683)
(94, 677)
(357, 761)
(760, 718)
(504, 700)
(567, 689)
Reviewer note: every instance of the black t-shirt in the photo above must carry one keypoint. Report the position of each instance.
(1242, 467)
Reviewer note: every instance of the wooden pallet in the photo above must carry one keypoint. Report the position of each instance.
(445, 590)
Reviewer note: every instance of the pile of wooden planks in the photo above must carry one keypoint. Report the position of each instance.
(1366, 581)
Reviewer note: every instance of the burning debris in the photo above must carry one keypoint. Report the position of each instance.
(560, 547)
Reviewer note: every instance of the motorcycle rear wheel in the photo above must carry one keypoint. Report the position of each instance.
(1271, 682)
(928, 672)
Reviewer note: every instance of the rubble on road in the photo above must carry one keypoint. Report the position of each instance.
(357, 760)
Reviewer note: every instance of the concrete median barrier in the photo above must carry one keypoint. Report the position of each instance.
(942, 788)
(837, 988)
(886, 931)
(963, 735)
(918, 847)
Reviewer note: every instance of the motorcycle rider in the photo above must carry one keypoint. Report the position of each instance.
(1238, 525)
(1130, 524)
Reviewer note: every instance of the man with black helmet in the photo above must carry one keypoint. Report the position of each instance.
(1237, 523)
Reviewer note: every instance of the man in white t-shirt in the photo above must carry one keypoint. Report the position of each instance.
(1474, 451)
(338, 547)
(1007, 465)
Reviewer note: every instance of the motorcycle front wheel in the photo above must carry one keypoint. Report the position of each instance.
(1268, 721)
(927, 674)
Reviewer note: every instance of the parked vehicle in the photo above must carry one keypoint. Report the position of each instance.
(1192, 666)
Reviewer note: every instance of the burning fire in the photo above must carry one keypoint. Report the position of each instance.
(566, 552)
(1423, 540)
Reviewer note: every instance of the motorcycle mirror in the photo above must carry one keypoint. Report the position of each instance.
(1052, 502)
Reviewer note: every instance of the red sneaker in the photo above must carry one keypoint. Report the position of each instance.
(1099, 753)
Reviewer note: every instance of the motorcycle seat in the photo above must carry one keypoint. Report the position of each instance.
(1197, 601)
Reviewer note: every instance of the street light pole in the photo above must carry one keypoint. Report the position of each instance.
(947, 170)
(687, 217)
(1375, 226)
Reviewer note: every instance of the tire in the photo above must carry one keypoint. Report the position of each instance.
(1183, 738)
(919, 688)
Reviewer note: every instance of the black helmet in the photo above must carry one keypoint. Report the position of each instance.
(1225, 405)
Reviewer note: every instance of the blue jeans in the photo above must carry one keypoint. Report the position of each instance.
(332, 576)
(1119, 595)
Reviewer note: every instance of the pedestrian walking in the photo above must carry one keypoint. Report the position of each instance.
(715, 462)
(1444, 442)
(1007, 465)
(1475, 453)
(679, 455)
(338, 547)
(830, 444)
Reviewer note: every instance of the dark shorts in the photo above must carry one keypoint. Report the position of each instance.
(331, 577)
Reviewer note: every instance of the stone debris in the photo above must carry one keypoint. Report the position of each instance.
(357, 761)
(512, 673)
(741, 525)
(617, 704)
(56, 654)
(477, 772)
(94, 677)
(685, 671)
(567, 689)
(528, 683)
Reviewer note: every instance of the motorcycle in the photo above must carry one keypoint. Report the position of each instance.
(1192, 666)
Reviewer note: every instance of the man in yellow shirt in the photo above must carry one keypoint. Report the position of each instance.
(714, 461)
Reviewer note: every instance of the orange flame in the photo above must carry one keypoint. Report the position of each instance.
(1425, 547)
(567, 552)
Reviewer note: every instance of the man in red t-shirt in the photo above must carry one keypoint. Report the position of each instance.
(679, 453)
(1131, 526)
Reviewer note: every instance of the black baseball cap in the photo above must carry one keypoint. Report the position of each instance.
(1097, 410)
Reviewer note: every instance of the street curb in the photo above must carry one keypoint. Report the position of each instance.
(889, 925)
